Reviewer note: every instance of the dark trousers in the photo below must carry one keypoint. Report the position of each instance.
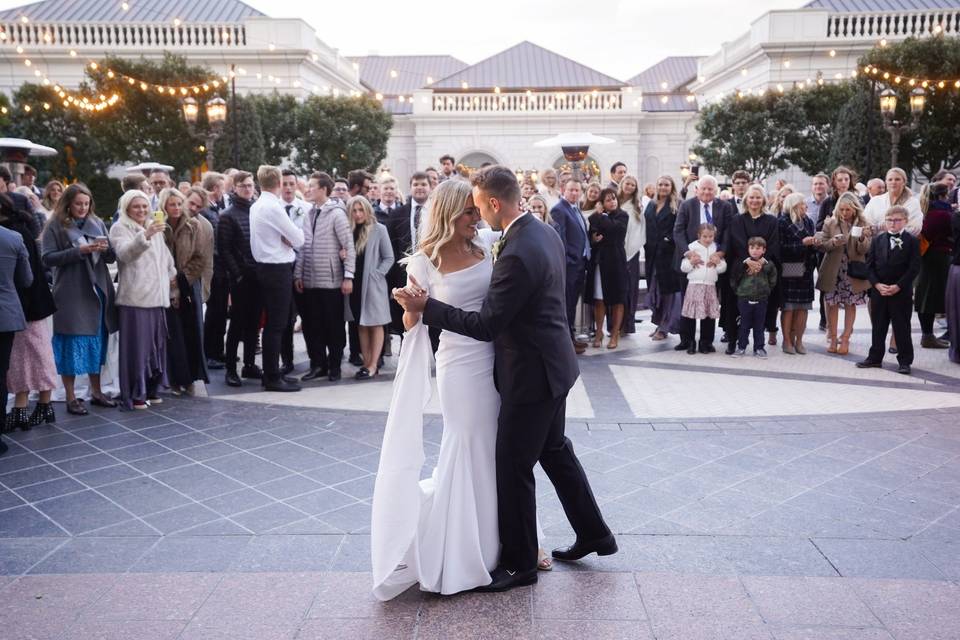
(576, 276)
(728, 305)
(773, 306)
(688, 329)
(354, 335)
(322, 314)
(6, 344)
(527, 434)
(286, 342)
(276, 291)
(245, 308)
(753, 315)
(215, 320)
(891, 310)
(926, 322)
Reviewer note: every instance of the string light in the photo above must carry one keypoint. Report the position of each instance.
(897, 78)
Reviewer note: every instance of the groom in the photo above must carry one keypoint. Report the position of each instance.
(524, 314)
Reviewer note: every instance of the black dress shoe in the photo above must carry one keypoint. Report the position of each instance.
(602, 547)
(281, 384)
(314, 374)
(334, 376)
(708, 348)
(691, 348)
(251, 372)
(214, 365)
(232, 379)
(504, 579)
(731, 347)
(286, 369)
(681, 347)
(868, 364)
(904, 369)
(725, 337)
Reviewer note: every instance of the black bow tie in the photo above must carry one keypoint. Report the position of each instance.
(895, 235)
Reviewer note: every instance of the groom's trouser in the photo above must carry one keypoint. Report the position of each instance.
(527, 434)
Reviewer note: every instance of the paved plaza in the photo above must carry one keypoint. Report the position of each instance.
(796, 498)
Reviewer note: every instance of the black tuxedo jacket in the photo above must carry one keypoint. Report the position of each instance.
(688, 222)
(894, 266)
(398, 228)
(524, 315)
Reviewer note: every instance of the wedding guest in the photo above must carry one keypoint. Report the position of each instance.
(342, 192)
(39, 214)
(28, 179)
(146, 270)
(447, 167)
(548, 187)
(842, 180)
(15, 274)
(184, 317)
(434, 176)
(931, 287)
(740, 180)
(591, 199)
(323, 279)
(31, 366)
(704, 208)
(953, 292)
(527, 191)
(818, 195)
(233, 243)
(183, 187)
(569, 223)
(297, 211)
(607, 282)
(390, 199)
(649, 193)
(617, 171)
(537, 205)
(51, 193)
(753, 282)
(842, 275)
(274, 238)
(215, 320)
(194, 203)
(636, 238)
(373, 194)
(897, 195)
(893, 263)
(798, 255)
(664, 284)
(159, 180)
(875, 187)
(358, 182)
(700, 300)
(754, 222)
(776, 205)
(75, 246)
(368, 301)
(403, 228)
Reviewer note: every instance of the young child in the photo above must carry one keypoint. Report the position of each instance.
(893, 263)
(700, 301)
(753, 283)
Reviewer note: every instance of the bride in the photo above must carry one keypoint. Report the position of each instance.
(441, 532)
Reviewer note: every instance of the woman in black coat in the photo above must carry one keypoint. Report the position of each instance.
(608, 280)
(664, 283)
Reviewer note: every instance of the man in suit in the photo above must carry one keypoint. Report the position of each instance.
(740, 180)
(534, 369)
(893, 263)
(570, 224)
(15, 273)
(705, 208)
(403, 227)
(617, 172)
(388, 200)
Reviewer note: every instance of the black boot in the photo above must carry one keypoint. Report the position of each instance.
(18, 419)
(231, 377)
(43, 412)
(251, 372)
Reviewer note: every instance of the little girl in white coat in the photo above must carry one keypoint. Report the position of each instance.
(700, 302)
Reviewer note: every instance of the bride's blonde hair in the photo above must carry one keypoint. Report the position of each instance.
(444, 206)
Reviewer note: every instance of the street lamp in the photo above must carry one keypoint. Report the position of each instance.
(216, 110)
(888, 108)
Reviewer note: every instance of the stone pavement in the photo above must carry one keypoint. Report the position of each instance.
(835, 517)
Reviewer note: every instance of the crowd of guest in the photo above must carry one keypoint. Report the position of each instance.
(186, 273)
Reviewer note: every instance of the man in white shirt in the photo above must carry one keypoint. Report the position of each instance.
(819, 188)
(273, 241)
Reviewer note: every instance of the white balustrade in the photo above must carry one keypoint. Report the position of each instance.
(892, 24)
(532, 102)
(121, 35)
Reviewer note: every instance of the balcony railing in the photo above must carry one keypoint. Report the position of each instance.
(892, 25)
(528, 102)
(123, 35)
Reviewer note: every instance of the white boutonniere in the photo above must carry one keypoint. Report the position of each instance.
(896, 242)
(497, 248)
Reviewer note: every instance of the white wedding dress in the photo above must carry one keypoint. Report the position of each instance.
(440, 532)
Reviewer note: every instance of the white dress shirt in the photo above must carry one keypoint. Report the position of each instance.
(269, 226)
(298, 210)
(713, 211)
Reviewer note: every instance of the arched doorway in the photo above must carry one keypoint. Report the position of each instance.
(590, 168)
(476, 159)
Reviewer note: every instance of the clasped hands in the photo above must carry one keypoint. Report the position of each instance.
(413, 297)
(696, 260)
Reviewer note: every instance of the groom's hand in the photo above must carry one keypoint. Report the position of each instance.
(413, 298)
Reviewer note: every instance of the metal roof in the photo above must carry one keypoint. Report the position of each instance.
(139, 11)
(674, 102)
(402, 75)
(676, 71)
(846, 6)
(528, 66)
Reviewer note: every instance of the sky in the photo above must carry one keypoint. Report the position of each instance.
(618, 37)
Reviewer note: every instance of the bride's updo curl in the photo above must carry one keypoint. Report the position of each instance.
(445, 204)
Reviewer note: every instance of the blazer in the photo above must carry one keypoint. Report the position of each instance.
(855, 248)
(686, 228)
(15, 273)
(900, 267)
(325, 232)
(186, 244)
(523, 314)
(374, 293)
(35, 299)
(569, 223)
(78, 276)
(398, 228)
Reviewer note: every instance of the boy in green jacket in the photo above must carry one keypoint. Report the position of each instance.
(753, 281)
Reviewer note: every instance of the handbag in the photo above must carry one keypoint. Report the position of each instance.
(794, 269)
(858, 270)
(924, 245)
